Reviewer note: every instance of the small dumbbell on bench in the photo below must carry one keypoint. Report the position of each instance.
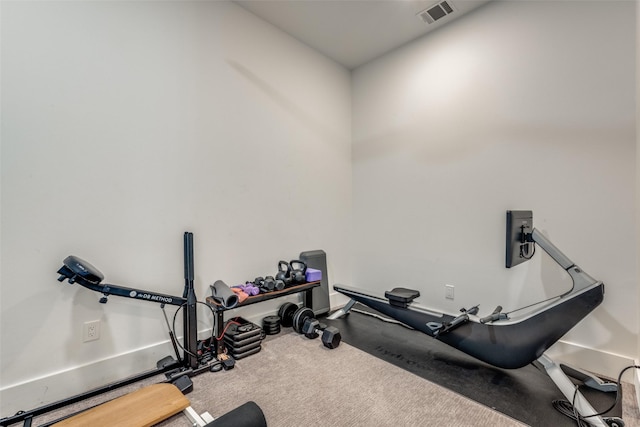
(330, 334)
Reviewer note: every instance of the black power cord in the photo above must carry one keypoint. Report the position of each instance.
(212, 329)
(568, 408)
(526, 243)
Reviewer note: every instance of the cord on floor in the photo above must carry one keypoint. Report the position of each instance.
(568, 408)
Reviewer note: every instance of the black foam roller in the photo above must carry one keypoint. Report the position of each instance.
(247, 415)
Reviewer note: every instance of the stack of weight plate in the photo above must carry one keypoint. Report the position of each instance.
(271, 325)
(244, 339)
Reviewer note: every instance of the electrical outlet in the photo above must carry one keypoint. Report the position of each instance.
(448, 291)
(91, 331)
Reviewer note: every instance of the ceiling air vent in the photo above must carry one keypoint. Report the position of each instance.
(435, 12)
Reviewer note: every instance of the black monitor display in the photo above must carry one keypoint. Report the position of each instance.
(519, 247)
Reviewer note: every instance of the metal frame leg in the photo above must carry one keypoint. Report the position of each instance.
(589, 379)
(583, 407)
(342, 311)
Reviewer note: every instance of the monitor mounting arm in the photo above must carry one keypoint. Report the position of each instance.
(581, 280)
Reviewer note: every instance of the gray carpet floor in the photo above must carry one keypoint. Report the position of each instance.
(297, 381)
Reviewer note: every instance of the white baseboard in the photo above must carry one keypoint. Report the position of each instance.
(599, 362)
(337, 300)
(37, 392)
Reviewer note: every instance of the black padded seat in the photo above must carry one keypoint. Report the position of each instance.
(401, 297)
(78, 270)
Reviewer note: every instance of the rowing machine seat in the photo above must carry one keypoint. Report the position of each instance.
(401, 297)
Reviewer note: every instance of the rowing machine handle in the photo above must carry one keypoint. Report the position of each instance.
(496, 315)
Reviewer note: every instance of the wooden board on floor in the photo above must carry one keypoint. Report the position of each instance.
(142, 408)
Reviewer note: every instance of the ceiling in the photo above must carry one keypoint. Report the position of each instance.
(353, 32)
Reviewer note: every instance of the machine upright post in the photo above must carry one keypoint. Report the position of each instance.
(190, 318)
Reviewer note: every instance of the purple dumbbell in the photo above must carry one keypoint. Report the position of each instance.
(241, 287)
(250, 289)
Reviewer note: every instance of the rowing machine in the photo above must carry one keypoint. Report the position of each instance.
(505, 340)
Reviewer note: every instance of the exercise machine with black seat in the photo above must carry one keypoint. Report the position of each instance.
(178, 371)
(511, 339)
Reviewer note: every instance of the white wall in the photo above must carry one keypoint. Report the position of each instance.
(519, 105)
(126, 124)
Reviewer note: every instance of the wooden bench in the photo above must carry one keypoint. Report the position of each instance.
(141, 408)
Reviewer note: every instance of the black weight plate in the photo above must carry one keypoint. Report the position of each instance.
(271, 327)
(271, 320)
(286, 313)
(272, 331)
(301, 314)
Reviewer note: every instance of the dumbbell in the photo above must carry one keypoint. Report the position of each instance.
(268, 284)
(260, 283)
(300, 316)
(330, 334)
(279, 284)
(304, 322)
(291, 315)
(249, 289)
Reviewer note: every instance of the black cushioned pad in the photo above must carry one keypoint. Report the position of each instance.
(403, 295)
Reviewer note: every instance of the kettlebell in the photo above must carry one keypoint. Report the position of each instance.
(284, 273)
(298, 271)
